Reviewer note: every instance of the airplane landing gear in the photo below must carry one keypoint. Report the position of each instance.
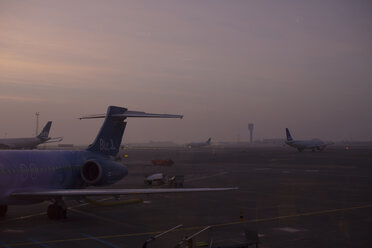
(57, 210)
(3, 210)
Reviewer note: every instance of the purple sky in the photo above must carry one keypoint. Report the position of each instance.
(305, 65)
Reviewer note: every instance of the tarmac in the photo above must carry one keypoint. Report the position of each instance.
(291, 199)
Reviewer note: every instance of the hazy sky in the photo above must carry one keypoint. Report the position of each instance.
(306, 65)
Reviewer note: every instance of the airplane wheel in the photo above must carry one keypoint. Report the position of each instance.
(56, 212)
(3, 210)
(52, 212)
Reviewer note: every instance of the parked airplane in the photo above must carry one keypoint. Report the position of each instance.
(300, 145)
(199, 144)
(32, 176)
(29, 143)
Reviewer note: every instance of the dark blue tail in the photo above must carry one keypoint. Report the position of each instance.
(109, 137)
(289, 137)
(45, 132)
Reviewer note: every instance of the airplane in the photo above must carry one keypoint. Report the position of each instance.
(33, 176)
(314, 144)
(29, 143)
(199, 144)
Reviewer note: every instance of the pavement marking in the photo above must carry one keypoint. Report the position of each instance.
(44, 213)
(26, 216)
(90, 215)
(13, 231)
(281, 159)
(101, 241)
(209, 176)
(261, 169)
(39, 243)
(329, 211)
(288, 229)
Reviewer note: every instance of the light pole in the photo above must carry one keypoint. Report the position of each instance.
(37, 123)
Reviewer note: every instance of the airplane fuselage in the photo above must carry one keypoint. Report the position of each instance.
(194, 145)
(35, 170)
(21, 143)
(307, 144)
(31, 176)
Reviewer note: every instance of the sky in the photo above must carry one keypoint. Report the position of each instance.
(305, 65)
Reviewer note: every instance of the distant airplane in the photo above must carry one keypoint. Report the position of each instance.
(29, 143)
(32, 176)
(300, 145)
(199, 144)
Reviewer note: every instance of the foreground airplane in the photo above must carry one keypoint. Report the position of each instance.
(199, 144)
(29, 143)
(32, 176)
(300, 145)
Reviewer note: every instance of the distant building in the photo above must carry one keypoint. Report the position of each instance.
(250, 128)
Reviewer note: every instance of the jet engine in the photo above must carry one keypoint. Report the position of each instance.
(102, 173)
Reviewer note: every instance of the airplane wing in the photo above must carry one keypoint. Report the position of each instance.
(112, 192)
(52, 140)
(5, 146)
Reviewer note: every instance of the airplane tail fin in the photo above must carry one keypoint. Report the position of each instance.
(45, 132)
(209, 141)
(111, 133)
(109, 137)
(289, 137)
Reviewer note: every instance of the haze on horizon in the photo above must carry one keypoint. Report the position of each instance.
(305, 65)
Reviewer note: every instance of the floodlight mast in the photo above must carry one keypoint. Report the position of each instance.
(37, 123)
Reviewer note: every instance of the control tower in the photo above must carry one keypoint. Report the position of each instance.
(250, 128)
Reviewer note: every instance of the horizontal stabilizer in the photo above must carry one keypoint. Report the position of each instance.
(136, 114)
(102, 192)
(53, 140)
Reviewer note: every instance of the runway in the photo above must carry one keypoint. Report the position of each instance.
(291, 199)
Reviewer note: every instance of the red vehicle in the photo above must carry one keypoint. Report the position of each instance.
(162, 162)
